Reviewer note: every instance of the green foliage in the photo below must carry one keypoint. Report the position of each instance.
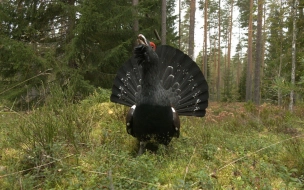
(244, 8)
(83, 43)
(64, 145)
(287, 176)
(48, 130)
(250, 107)
(209, 151)
(228, 87)
(105, 36)
(242, 86)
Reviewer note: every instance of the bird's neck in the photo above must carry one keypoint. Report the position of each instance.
(152, 92)
(150, 78)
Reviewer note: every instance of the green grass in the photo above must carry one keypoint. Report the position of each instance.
(85, 146)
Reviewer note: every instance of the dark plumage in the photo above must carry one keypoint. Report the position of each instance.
(159, 85)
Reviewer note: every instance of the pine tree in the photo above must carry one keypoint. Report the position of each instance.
(163, 18)
(219, 53)
(27, 47)
(249, 54)
(258, 62)
(191, 28)
(84, 42)
(205, 38)
(184, 30)
(293, 52)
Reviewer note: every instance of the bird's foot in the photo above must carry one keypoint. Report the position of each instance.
(142, 148)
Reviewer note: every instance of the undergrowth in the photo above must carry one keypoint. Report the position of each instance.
(84, 145)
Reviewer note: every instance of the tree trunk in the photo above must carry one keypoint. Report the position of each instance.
(135, 23)
(293, 54)
(249, 54)
(238, 71)
(263, 46)
(179, 23)
(281, 56)
(71, 23)
(191, 29)
(163, 18)
(239, 60)
(258, 62)
(219, 54)
(215, 70)
(230, 37)
(229, 50)
(205, 38)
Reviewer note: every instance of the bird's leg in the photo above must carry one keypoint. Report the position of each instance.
(142, 147)
(167, 148)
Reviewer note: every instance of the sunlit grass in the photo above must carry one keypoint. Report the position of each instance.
(85, 146)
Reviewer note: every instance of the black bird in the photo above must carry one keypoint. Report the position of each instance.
(159, 86)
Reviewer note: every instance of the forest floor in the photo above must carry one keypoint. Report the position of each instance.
(85, 146)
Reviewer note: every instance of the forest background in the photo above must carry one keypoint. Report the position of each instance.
(81, 44)
(58, 59)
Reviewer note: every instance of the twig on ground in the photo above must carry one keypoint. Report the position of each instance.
(187, 168)
(6, 175)
(250, 154)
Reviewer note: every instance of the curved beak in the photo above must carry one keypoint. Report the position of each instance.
(141, 39)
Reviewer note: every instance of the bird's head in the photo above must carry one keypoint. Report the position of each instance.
(142, 40)
(145, 51)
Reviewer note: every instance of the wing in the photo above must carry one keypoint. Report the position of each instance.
(176, 122)
(129, 120)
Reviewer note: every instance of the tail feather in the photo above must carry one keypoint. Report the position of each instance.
(167, 77)
(168, 82)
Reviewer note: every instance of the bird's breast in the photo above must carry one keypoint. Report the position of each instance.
(153, 118)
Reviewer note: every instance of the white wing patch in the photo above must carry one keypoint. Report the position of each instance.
(173, 110)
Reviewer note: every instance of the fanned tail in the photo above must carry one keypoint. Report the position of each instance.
(184, 81)
(180, 76)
